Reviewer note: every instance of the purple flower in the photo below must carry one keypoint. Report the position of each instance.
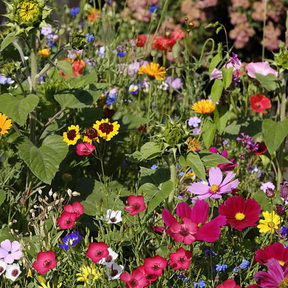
(74, 11)
(111, 100)
(121, 53)
(216, 186)
(133, 89)
(267, 185)
(216, 74)
(70, 240)
(249, 142)
(196, 131)
(134, 67)
(284, 190)
(153, 8)
(10, 251)
(262, 68)
(46, 30)
(113, 92)
(4, 80)
(102, 51)
(174, 83)
(90, 37)
(194, 121)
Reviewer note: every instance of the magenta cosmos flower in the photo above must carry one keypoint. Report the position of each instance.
(192, 226)
(136, 205)
(262, 68)
(224, 167)
(216, 186)
(10, 251)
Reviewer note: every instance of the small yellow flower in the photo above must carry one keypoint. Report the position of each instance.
(154, 70)
(90, 135)
(71, 137)
(45, 53)
(88, 275)
(47, 285)
(270, 222)
(192, 144)
(4, 124)
(204, 107)
(29, 273)
(28, 10)
(106, 130)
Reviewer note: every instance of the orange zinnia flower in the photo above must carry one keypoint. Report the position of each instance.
(4, 124)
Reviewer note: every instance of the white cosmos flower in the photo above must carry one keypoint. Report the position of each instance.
(109, 260)
(114, 271)
(12, 271)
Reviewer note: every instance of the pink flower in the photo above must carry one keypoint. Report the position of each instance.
(45, 262)
(66, 220)
(10, 251)
(216, 186)
(192, 226)
(136, 205)
(180, 259)
(228, 284)
(76, 207)
(155, 265)
(84, 149)
(224, 167)
(262, 68)
(136, 280)
(97, 251)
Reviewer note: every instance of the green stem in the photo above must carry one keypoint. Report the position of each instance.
(172, 166)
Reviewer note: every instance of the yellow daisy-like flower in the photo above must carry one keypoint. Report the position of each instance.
(4, 124)
(47, 285)
(71, 137)
(154, 70)
(45, 53)
(270, 223)
(88, 275)
(106, 130)
(90, 135)
(193, 144)
(204, 107)
(28, 10)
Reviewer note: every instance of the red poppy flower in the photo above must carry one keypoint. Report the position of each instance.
(177, 34)
(76, 207)
(180, 259)
(45, 261)
(141, 40)
(277, 251)
(136, 280)
(136, 205)
(261, 148)
(228, 284)
(84, 149)
(260, 102)
(240, 214)
(97, 251)
(155, 265)
(66, 220)
(163, 43)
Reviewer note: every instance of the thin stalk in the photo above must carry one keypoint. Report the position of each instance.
(172, 166)
(264, 25)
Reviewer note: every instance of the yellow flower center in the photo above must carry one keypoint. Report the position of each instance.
(271, 224)
(240, 216)
(214, 188)
(284, 283)
(282, 263)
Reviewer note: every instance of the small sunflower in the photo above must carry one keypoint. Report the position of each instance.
(28, 12)
(72, 135)
(90, 135)
(204, 107)
(4, 124)
(154, 70)
(88, 275)
(107, 130)
(270, 223)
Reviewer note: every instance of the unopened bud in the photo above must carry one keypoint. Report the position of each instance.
(69, 192)
(50, 192)
(270, 193)
(75, 194)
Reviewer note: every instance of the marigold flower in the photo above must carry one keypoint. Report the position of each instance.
(88, 274)
(97, 251)
(45, 262)
(93, 15)
(4, 124)
(106, 130)
(270, 223)
(260, 102)
(204, 107)
(180, 259)
(71, 137)
(154, 70)
(136, 205)
(45, 53)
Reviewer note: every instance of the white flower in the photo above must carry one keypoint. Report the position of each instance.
(109, 260)
(164, 86)
(3, 266)
(267, 185)
(13, 271)
(113, 217)
(114, 271)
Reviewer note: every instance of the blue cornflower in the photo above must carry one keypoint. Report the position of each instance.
(236, 269)
(74, 11)
(111, 99)
(70, 240)
(245, 264)
(181, 174)
(200, 284)
(41, 79)
(210, 252)
(154, 167)
(153, 8)
(90, 37)
(51, 45)
(121, 53)
(221, 268)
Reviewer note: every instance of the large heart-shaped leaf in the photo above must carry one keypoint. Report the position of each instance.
(18, 108)
(194, 161)
(44, 162)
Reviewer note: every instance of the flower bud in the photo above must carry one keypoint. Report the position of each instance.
(280, 209)
(270, 193)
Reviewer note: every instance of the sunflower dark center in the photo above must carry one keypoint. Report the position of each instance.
(71, 134)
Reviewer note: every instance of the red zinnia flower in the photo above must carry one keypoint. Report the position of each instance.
(240, 214)
(66, 220)
(84, 149)
(76, 207)
(137, 280)
(136, 205)
(180, 259)
(260, 102)
(97, 251)
(45, 262)
(276, 251)
(141, 40)
(155, 265)
(228, 284)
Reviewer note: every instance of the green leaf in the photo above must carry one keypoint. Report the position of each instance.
(44, 162)
(213, 160)
(155, 177)
(150, 150)
(2, 196)
(65, 67)
(216, 90)
(227, 76)
(269, 81)
(208, 133)
(4, 234)
(214, 62)
(8, 40)
(176, 50)
(183, 161)
(18, 108)
(274, 133)
(221, 117)
(194, 161)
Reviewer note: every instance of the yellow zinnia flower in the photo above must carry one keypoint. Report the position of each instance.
(88, 275)
(270, 222)
(106, 130)
(71, 137)
(154, 70)
(45, 53)
(204, 107)
(4, 124)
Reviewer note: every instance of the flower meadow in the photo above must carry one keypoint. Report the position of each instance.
(144, 143)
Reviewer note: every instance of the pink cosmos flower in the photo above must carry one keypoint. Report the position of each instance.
(66, 220)
(261, 68)
(97, 251)
(225, 167)
(192, 226)
(10, 251)
(76, 207)
(155, 265)
(216, 186)
(136, 205)
(136, 280)
(45, 262)
(180, 259)
(84, 149)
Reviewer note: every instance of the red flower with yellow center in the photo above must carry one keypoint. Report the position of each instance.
(106, 130)
(90, 135)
